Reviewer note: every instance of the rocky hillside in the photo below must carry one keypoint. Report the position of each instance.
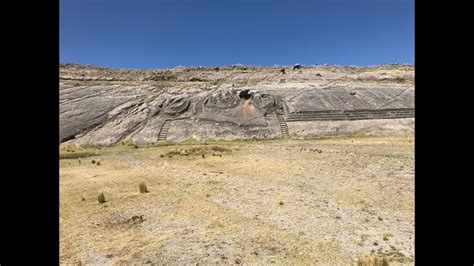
(105, 106)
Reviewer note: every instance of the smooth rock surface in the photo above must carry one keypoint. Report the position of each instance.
(103, 106)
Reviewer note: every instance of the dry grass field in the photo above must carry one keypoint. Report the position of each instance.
(328, 201)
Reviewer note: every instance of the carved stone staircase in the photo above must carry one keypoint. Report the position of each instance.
(164, 130)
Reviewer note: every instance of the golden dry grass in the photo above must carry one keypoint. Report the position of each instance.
(260, 202)
(372, 260)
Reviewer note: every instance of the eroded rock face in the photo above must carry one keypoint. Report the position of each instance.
(229, 103)
(267, 102)
(241, 108)
(176, 105)
(222, 99)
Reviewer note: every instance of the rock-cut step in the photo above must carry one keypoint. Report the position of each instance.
(283, 126)
(164, 130)
(352, 115)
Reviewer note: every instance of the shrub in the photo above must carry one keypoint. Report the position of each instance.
(101, 198)
(142, 187)
(220, 149)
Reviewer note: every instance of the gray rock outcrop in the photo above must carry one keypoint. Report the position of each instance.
(103, 106)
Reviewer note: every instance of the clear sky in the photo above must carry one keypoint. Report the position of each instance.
(168, 33)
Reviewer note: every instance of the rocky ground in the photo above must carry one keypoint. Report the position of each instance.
(104, 106)
(286, 202)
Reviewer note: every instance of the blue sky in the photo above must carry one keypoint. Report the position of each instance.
(167, 33)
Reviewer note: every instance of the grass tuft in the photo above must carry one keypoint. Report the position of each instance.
(142, 187)
(101, 198)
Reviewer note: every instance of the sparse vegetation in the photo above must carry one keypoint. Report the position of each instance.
(75, 155)
(127, 142)
(101, 198)
(271, 200)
